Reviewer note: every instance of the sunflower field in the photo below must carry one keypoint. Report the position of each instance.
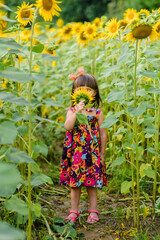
(36, 58)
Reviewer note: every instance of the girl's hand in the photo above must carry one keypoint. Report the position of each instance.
(102, 160)
(80, 106)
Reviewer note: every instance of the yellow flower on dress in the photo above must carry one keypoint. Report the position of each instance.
(130, 15)
(141, 31)
(112, 28)
(143, 13)
(82, 94)
(25, 13)
(48, 8)
(60, 22)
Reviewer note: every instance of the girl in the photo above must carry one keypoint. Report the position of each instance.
(82, 162)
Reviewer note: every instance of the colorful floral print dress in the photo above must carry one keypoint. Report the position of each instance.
(80, 162)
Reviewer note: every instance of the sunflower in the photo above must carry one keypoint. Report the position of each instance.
(1, 103)
(90, 30)
(97, 22)
(81, 38)
(143, 13)
(60, 22)
(3, 23)
(81, 94)
(141, 31)
(157, 28)
(66, 32)
(48, 8)
(112, 28)
(76, 28)
(25, 13)
(130, 15)
(25, 35)
(122, 24)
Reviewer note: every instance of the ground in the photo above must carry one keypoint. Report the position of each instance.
(114, 222)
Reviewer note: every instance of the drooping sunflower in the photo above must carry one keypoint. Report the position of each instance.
(25, 13)
(143, 13)
(66, 32)
(112, 28)
(90, 30)
(157, 28)
(130, 14)
(122, 24)
(48, 8)
(82, 94)
(97, 22)
(82, 38)
(141, 31)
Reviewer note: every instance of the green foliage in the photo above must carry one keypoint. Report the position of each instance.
(9, 233)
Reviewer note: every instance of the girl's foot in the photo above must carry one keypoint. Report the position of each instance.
(93, 216)
(72, 217)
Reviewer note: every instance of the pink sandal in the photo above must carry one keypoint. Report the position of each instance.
(72, 218)
(96, 219)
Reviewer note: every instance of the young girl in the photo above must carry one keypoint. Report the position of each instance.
(82, 162)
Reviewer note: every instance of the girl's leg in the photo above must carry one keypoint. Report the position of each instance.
(75, 197)
(92, 195)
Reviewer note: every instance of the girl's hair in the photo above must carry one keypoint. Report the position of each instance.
(89, 81)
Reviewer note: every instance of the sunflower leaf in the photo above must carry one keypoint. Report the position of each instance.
(82, 119)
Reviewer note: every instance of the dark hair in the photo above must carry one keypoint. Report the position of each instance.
(89, 81)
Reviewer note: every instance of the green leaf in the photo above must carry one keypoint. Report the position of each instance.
(150, 130)
(16, 156)
(8, 97)
(116, 95)
(149, 173)
(109, 121)
(82, 119)
(9, 179)
(8, 132)
(38, 179)
(53, 103)
(118, 161)
(152, 150)
(107, 72)
(40, 147)
(7, 232)
(6, 7)
(125, 186)
(15, 75)
(37, 48)
(49, 57)
(9, 43)
(149, 74)
(59, 220)
(16, 204)
(137, 111)
(36, 208)
(153, 90)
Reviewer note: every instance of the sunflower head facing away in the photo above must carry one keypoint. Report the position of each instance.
(48, 8)
(141, 31)
(25, 13)
(81, 94)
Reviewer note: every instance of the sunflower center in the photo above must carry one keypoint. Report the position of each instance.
(47, 4)
(131, 15)
(122, 25)
(25, 13)
(142, 31)
(113, 28)
(90, 30)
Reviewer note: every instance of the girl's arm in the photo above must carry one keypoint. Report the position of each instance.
(103, 136)
(71, 116)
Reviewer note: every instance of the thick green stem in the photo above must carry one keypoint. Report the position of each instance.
(135, 132)
(30, 131)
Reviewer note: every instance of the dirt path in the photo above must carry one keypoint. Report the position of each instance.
(113, 224)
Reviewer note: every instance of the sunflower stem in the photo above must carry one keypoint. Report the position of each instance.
(29, 131)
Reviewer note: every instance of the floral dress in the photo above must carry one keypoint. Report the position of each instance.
(80, 162)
